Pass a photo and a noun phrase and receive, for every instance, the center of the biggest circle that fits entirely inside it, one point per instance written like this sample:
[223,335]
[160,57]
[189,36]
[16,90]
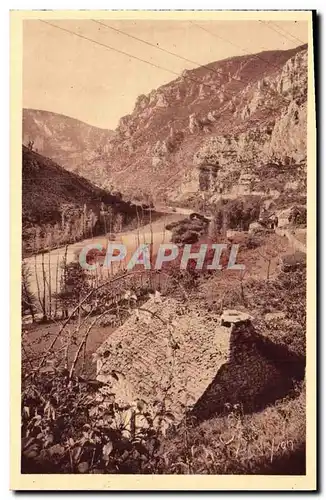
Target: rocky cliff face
[73,144]
[233,127]
[229,127]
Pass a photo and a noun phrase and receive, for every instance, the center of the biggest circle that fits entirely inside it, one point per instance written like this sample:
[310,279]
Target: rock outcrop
[239,118]
[233,119]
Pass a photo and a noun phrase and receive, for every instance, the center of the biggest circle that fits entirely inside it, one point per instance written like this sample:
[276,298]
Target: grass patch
[269,442]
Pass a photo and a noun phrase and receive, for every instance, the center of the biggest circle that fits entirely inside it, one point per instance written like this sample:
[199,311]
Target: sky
[67,74]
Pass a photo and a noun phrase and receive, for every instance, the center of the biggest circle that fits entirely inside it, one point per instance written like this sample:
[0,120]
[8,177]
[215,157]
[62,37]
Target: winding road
[52,260]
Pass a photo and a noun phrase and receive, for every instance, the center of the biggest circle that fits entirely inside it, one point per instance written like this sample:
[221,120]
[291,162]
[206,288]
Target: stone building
[164,346]
[182,354]
[208,177]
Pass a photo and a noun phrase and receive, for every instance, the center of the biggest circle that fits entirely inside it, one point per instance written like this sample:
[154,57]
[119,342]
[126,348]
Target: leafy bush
[287,294]
[76,426]
[238,213]
[252,242]
[70,425]
[186,237]
[287,199]
[188,230]
[298,216]
[172,225]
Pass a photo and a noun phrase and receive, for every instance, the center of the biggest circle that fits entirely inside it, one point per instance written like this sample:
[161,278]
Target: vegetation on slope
[268,442]
[61,207]
[74,425]
[234,103]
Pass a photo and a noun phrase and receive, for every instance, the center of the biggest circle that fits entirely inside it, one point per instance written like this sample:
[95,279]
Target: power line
[170,53]
[279,33]
[182,57]
[288,33]
[124,53]
[268,63]
[162,49]
[144,60]
[229,94]
[108,47]
[244,50]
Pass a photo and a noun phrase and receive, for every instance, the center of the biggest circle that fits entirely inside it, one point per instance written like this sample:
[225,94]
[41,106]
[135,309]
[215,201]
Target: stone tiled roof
[140,353]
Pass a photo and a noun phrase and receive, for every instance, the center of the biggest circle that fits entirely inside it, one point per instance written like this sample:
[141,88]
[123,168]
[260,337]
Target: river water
[51,260]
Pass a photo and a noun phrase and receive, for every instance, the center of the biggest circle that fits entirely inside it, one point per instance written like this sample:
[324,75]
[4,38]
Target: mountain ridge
[60,207]
[156,147]
[228,110]
[63,115]
[68,141]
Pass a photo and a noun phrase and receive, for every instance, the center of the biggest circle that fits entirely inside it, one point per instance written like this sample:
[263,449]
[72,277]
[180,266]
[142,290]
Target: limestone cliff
[217,129]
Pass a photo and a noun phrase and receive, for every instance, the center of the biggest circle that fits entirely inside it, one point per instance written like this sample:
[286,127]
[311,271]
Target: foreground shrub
[70,425]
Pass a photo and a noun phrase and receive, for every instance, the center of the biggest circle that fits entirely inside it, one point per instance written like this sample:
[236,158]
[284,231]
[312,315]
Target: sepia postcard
[163,250]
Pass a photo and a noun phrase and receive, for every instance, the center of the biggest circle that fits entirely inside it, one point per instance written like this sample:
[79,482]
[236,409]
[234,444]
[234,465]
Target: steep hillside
[217,129]
[59,207]
[69,142]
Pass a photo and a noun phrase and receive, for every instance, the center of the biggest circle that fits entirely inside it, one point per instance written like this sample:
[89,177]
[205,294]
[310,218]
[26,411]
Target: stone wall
[256,374]
[212,366]
[294,242]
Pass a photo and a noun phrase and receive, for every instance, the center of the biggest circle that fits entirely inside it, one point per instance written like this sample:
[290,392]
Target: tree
[27,298]
[73,285]
[298,216]
[117,227]
[238,213]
